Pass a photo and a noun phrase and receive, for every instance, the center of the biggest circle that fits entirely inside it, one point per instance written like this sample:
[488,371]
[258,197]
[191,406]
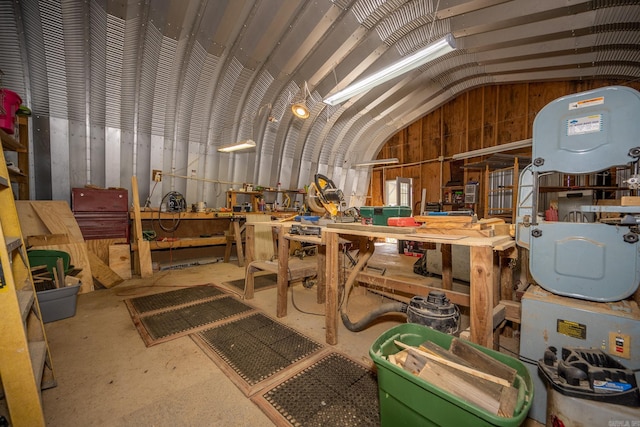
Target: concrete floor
[106,375]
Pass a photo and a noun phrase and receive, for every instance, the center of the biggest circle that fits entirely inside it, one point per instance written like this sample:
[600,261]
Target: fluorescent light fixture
[492,150]
[240,145]
[429,53]
[299,109]
[378,162]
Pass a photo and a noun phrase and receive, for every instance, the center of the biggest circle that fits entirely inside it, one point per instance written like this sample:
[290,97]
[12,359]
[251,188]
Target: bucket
[10,103]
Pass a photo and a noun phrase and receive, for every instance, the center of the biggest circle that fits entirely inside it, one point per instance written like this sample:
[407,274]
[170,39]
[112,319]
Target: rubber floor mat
[166,317]
[254,349]
[264,281]
[334,391]
[175,298]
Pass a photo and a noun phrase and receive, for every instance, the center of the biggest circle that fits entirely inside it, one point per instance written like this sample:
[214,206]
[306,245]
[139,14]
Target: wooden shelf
[583,188]
[20,146]
[9,143]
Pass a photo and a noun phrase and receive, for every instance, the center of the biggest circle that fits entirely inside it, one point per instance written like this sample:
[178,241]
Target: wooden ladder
[25,359]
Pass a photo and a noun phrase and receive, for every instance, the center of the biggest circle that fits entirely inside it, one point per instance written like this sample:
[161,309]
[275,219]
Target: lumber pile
[460,225]
[50,224]
[464,372]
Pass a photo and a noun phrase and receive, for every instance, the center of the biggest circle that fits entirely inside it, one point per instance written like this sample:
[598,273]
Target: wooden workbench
[484,280]
[196,229]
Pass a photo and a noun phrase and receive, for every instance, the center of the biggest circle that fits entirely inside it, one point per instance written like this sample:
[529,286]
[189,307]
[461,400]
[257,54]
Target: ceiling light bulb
[300,110]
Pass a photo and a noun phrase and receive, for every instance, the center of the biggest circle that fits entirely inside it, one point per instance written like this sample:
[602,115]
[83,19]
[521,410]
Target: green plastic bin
[408,400]
[381,214]
[49,257]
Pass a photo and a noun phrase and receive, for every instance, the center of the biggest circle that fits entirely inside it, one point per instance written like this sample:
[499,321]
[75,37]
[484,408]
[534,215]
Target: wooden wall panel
[540,94]
[413,147]
[394,147]
[455,126]
[490,94]
[476,115]
[431,181]
[480,118]
[512,117]
[377,188]
[431,135]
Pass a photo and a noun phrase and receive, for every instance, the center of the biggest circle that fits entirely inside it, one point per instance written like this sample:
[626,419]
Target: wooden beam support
[482,295]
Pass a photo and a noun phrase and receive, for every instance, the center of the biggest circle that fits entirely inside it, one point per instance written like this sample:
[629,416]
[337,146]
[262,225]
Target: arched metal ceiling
[122,87]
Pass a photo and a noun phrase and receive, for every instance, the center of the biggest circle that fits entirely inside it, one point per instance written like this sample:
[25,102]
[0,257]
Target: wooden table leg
[249,242]
[321,280]
[283,273]
[481,292]
[331,305]
[447,266]
[237,233]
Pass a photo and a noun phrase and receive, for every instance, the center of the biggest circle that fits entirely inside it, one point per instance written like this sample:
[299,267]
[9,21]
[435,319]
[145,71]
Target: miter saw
[325,198]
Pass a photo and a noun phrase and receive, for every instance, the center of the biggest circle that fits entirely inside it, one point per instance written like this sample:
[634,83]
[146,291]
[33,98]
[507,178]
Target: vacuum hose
[391,307]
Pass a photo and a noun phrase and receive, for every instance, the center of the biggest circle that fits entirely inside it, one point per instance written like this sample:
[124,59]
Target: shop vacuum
[434,311]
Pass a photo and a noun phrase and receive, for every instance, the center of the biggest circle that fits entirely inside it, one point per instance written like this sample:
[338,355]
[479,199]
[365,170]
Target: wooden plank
[102,273]
[47,239]
[472,371]
[447,266]
[630,201]
[100,247]
[414,362]
[512,310]
[454,383]
[263,238]
[283,272]
[498,315]
[30,222]
[482,361]
[444,219]
[331,305]
[120,260]
[456,231]
[481,290]
[372,228]
[399,285]
[79,259]
[58,218]
[143,254]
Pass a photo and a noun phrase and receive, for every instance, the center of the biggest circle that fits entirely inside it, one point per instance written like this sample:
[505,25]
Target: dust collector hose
[364,255]
[391,307]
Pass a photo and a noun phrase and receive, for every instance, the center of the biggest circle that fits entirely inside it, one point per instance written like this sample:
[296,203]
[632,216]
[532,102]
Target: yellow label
[572,329]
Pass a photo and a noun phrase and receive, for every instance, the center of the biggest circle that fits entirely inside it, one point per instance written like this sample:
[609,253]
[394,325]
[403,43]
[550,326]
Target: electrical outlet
[156,175]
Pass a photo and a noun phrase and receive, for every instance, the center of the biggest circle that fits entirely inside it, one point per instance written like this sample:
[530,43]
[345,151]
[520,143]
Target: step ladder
[25,360]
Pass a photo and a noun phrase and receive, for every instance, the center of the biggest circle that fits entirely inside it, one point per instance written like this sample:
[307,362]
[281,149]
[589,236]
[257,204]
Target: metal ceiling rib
[98,98]
[54,58]
[13,77]
[191,75]
[408,17]
[155,82]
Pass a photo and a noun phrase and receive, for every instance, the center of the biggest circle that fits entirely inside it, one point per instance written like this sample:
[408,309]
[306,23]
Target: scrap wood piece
[102,273]
[58,218]
[443,219]
[142,256]
[472,371]
[469,232]
[482,361]
[80,260]
[494,398]
[120,260]
[435,349]
[47,239]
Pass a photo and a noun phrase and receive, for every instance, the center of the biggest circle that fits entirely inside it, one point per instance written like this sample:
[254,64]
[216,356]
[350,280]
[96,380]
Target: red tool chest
[101,213]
